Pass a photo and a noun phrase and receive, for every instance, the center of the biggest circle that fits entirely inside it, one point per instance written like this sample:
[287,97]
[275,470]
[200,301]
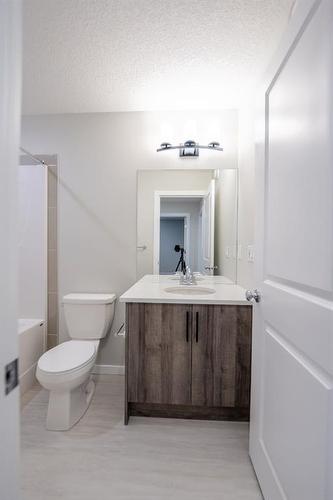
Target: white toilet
[65,370]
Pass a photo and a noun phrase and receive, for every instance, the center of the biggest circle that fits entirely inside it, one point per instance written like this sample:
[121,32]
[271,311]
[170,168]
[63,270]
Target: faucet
[187,278]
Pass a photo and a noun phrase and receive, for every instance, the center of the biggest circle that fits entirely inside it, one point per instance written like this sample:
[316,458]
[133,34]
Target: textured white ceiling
[128,55]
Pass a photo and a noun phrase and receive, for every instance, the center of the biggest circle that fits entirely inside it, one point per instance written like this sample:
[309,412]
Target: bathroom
[201,384]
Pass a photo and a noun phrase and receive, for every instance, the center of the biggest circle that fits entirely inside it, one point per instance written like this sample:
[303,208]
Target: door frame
[10,111]
[157,215]
[208,252]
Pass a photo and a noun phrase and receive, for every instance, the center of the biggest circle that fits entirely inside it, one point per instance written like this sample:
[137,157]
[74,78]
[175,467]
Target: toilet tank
[88,315]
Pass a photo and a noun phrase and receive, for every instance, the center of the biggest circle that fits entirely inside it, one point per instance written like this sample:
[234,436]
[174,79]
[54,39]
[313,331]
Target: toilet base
[67,407]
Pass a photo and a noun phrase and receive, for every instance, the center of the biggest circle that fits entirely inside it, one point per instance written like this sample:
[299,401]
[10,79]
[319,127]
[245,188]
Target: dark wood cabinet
[189,361]
[221,356]
[159,353]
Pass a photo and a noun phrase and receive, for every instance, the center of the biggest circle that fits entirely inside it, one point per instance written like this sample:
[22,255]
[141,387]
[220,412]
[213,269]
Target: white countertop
[151,288]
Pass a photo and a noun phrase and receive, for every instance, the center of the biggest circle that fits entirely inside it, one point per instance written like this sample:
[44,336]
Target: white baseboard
[109,369]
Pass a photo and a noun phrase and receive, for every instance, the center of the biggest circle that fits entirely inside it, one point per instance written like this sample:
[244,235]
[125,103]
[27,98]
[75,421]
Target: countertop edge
[152,289]
[185,301]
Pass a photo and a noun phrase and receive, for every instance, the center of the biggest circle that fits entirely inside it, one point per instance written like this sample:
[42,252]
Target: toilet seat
[67,357]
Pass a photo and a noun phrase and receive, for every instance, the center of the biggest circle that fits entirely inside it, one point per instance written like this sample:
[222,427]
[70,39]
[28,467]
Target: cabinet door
[221,356]
[159,353]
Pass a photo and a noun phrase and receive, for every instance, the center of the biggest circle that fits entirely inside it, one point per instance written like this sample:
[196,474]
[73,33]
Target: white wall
[99,155]
[226,206]
[246,209]
[174,206]
[32,214]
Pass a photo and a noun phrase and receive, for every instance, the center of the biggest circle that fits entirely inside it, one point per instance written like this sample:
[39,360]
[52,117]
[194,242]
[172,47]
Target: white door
[207,229]
[10,64]
[291,436]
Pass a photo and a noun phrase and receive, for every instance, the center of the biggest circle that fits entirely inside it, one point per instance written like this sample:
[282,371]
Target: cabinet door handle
[187,326]
[197,326]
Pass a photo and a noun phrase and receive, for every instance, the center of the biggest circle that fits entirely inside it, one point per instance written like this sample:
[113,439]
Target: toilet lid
[67,356]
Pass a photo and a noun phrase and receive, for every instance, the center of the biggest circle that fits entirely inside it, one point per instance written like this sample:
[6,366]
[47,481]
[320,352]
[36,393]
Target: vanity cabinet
[159,353]
[188,361]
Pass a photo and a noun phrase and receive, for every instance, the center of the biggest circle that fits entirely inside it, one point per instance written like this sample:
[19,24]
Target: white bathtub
[31,347]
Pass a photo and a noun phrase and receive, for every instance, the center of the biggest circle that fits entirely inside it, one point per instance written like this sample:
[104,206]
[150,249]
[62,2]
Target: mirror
[187,217]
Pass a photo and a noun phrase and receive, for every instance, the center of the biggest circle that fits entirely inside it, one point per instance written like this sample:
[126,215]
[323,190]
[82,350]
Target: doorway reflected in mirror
[187,218]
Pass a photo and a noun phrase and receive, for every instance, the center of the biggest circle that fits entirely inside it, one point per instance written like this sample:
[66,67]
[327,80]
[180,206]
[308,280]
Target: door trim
[10,111]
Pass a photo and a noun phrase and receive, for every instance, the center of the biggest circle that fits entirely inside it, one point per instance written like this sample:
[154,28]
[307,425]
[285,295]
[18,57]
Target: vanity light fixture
[189,148]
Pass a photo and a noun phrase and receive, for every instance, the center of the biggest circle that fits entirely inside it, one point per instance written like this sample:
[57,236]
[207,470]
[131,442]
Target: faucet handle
[188,271]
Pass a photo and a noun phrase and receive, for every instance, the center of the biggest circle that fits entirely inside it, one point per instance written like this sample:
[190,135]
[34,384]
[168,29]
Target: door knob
[253,295]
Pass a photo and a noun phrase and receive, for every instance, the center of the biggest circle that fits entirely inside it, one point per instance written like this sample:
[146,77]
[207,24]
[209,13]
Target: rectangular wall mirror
[187,216]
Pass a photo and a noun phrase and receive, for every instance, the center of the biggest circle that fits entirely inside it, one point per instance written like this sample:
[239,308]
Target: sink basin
[189,290]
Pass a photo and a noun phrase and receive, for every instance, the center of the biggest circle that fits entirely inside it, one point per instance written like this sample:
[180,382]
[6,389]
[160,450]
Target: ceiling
[130,55]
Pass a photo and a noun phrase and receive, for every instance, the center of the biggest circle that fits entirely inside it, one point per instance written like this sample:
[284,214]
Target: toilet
[66,369]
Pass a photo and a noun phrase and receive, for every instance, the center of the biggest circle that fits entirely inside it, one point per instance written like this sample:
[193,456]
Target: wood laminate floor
[150,459]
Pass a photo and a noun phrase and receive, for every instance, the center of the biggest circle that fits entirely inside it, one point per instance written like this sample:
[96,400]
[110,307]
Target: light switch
[250,253]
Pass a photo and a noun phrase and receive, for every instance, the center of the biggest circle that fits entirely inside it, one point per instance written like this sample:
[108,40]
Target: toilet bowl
[66,369]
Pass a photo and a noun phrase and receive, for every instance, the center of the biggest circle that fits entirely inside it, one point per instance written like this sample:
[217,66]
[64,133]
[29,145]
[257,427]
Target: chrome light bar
[189,148]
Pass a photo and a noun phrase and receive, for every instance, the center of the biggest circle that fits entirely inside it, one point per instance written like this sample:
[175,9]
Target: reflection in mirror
[187,218]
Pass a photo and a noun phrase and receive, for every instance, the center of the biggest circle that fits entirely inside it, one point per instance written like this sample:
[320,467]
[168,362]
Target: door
[159,353]
[221,356]
[10,89]
[207,229]
[291,435]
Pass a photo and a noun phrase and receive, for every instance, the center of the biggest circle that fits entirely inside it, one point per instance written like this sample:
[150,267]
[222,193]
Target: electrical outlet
[250,253]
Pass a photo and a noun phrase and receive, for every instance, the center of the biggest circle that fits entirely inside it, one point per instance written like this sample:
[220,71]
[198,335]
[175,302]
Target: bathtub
[31,347]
